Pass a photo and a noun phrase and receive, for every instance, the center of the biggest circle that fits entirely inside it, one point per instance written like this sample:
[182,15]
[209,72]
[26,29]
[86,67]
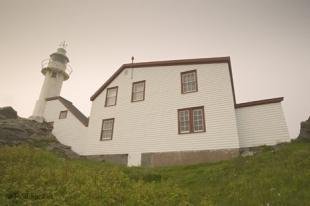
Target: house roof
[259,102]
[187,62]
[167,63]
[79,115]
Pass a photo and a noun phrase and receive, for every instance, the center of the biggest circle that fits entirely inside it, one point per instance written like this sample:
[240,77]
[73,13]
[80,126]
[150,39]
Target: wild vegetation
[276,176]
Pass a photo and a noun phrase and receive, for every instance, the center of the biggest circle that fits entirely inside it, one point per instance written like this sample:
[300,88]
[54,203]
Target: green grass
[276,176]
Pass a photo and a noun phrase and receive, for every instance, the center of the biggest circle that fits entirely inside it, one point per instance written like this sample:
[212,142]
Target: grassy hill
[275,176]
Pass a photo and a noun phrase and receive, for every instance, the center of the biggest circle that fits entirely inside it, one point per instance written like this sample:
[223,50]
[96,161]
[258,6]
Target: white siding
[261,125]
[151,125]
[69,131]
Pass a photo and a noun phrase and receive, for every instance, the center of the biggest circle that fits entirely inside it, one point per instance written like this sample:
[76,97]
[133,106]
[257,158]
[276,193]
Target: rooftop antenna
[132,58]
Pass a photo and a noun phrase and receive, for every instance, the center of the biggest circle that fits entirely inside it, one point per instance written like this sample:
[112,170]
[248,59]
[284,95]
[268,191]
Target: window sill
[110,105]
[192,132]
[138,100]
[189,92]
[103,140]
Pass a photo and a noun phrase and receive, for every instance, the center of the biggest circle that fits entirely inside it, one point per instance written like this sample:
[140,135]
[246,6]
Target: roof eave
[259,102]
[75,111]
[213,60]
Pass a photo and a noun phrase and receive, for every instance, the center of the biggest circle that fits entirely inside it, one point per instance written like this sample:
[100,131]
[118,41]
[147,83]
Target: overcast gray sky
[268,42]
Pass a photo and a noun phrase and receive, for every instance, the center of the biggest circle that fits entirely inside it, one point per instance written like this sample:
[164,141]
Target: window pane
[184,121]
[112,92]
[107,129]
[189,83]
[111,101]
[107,134]
[139,87]
[198,120]
[107,125]
[138,96]
[189,77]
[138,91]
[111,96]
[63,115]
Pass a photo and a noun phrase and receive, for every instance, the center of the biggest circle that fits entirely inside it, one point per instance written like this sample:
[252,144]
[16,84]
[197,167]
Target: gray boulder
[7,113]
[305,130]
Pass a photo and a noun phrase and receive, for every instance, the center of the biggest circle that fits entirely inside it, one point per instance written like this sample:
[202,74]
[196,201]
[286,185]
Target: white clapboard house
[160,113]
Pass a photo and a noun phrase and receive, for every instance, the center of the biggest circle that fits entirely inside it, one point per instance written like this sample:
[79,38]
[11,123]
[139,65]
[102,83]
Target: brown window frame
[61,112]
[186,72]
[106,96]
[143,91]
[101,132]
[191,121]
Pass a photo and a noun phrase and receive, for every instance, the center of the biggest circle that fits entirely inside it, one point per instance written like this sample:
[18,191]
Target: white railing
[46,62]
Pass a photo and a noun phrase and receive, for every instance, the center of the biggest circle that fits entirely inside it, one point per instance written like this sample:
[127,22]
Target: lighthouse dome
[60,56]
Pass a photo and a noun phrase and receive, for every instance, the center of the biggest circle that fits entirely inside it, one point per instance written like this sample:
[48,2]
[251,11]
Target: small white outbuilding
[161,113]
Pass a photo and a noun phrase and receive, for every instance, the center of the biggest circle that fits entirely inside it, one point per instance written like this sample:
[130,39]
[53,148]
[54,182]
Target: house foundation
[119,159]
[186,157]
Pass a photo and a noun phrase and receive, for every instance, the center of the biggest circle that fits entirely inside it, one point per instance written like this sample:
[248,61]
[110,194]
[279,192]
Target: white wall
[261,125]
[51,88]
[152,126]
[69,131]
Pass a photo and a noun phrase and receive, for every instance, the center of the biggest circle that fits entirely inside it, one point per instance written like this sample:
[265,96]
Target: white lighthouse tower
[56,70]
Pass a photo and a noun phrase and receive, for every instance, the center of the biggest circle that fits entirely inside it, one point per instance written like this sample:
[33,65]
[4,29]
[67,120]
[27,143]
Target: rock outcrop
[305,130]
[7,113]
[16,131]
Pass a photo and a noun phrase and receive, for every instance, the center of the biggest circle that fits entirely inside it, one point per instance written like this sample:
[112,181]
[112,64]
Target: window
[138,91]
[189,81]
[198,120]
[107,129]
[184,123]
[191,120]
[111,96]
[63,114]
[54,74]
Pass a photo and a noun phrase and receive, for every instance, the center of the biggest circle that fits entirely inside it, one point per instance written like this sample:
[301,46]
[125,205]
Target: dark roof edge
[56,98]
[166,63]
[259,102]
[77,113]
